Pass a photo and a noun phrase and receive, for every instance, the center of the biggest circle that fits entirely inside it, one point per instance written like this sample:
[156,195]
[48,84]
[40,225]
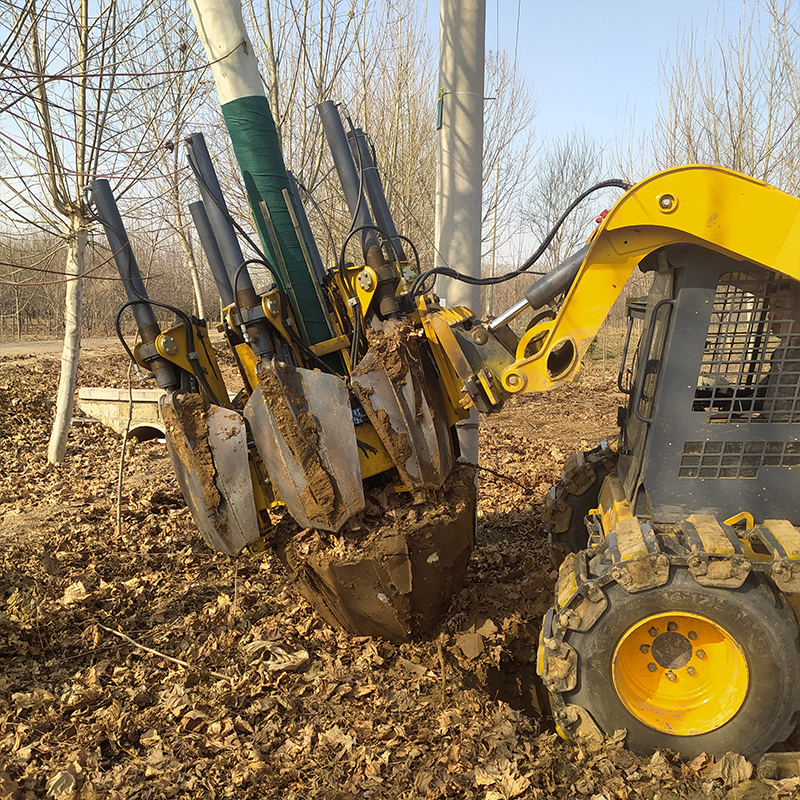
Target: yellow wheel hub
[680,673]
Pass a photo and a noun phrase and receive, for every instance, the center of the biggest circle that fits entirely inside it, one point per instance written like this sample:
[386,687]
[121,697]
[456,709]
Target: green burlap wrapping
[258,151]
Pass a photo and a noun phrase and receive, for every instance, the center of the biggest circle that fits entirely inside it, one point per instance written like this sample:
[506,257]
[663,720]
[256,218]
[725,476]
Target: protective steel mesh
[749,373]
[750,370]
[736,459]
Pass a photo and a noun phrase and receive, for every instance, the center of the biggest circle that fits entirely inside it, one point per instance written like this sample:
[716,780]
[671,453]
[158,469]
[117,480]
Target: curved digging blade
[397,388]
[302,425]
[208,448]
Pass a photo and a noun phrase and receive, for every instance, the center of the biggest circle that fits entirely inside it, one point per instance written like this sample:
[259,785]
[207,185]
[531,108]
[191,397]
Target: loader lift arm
[713,207]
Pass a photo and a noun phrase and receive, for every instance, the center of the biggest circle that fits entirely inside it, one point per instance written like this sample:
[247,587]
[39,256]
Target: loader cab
[712,423]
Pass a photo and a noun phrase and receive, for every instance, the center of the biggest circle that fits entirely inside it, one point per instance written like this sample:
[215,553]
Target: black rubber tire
[576,506]
[756,615]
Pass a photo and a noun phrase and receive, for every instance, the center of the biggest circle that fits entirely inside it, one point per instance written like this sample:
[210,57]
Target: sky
[594,64]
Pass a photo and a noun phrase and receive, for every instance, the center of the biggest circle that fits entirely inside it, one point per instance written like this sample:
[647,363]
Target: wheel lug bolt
[671,676]
[701,653]
[672,626]
[652,667]
[653,632]
[691,670]
[644,648]
[692,635]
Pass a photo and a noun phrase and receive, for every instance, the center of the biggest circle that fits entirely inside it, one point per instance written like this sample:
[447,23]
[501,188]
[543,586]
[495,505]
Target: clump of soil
[394,384]
[393,347]
[393,576]
[187,432]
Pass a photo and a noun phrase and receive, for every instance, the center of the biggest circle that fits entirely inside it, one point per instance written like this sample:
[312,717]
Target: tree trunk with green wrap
[257,147]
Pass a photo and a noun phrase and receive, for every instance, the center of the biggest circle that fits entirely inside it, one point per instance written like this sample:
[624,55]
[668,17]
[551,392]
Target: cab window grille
[750,369]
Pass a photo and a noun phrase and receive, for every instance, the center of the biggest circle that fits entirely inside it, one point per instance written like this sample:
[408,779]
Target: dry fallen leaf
[9,789]
[413,667]
[335,736]
[702,764]
[731,769]
[471,644]
[194,721]
[32,699]
[74,593]
[60,784]
[504,778]
[280,658]
[355,717]
[785,786]
[150,738]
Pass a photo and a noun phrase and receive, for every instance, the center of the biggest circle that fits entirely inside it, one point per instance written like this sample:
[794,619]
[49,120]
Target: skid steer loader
[674,614]
[676,622]
[680,559]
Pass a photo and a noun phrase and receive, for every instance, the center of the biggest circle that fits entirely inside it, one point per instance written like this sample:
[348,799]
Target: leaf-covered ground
[273,702]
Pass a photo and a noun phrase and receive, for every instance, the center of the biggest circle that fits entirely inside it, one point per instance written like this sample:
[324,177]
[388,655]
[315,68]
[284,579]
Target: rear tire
[733,656]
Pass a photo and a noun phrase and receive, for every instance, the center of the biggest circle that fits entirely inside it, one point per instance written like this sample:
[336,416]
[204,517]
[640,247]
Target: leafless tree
[381,66]
[509,148]
[65,92]
[733,99]
[565,167]
[183,107]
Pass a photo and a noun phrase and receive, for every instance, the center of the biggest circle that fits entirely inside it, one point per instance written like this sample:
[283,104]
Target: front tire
[691,668]
[568,502]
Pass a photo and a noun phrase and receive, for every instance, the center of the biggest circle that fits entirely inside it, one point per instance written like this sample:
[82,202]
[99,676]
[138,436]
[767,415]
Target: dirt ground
[273,702]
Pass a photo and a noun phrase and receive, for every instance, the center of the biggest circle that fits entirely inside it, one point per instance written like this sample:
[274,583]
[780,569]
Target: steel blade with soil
[208,447]
[302,425]
[397,385]
[395,575]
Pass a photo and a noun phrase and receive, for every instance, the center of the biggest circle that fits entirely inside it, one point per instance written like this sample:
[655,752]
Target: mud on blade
[208,447]
[302,425]
[398,573]
[396,383]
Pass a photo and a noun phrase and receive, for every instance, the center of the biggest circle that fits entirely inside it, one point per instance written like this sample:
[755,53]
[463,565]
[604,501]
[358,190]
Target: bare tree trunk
[18,314]
[191,263]
[76,246]
[188,253]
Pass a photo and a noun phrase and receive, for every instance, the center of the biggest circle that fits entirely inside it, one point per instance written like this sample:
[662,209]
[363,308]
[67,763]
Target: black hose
[418,287]
[413,250]
[118,327]
[242,267]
